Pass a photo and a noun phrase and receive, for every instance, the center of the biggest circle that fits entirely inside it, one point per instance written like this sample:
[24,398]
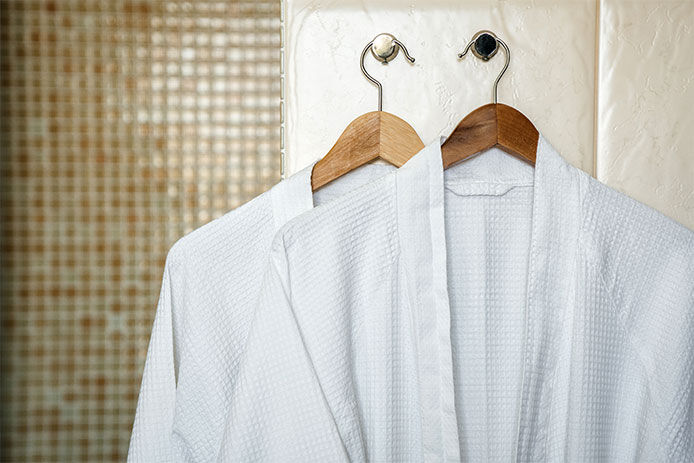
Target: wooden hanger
[374,135]
[493,124]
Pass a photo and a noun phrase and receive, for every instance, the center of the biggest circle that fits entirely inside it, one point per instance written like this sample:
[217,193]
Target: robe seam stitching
[580,246]
[468,193]
[173,343]
[443,352]
[288,293]
[587,240]
[528,331]
[590,260]
[178,439]
[463,182]
[555,376]
[415,317]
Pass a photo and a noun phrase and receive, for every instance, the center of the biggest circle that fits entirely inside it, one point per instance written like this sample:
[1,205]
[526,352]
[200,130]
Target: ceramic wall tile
[645,136]
[609,82]
[551,76]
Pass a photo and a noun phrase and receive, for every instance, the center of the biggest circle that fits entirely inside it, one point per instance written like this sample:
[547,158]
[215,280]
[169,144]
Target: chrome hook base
[484,45]
[384,47]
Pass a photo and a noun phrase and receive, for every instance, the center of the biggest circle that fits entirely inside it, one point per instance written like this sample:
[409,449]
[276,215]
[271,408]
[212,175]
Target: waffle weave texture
[212,279]
[493,312]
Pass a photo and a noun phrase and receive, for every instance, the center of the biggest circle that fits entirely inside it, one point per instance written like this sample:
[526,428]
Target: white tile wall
[609,82]
[645,143]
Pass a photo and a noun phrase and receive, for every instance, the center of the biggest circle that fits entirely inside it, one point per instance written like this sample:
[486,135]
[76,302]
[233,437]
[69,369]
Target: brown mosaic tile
[124,125]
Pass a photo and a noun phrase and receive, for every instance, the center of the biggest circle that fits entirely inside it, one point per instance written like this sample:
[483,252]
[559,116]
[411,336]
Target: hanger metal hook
[486,44]
[384,47]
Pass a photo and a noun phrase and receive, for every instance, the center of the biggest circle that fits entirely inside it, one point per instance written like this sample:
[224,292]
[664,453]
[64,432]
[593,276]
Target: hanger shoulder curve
[516,134]
[474,133]
[494,124]
[373,135]
[399,141]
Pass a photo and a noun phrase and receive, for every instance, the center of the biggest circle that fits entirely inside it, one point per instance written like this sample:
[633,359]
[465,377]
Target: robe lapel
[551,293]
[420,202]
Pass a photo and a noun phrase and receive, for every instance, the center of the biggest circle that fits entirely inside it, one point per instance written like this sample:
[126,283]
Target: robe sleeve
[659,313]
[279,411]
[151,436]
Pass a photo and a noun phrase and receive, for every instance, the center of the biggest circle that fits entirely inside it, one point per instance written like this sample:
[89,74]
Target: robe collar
[292,196]
[549,293]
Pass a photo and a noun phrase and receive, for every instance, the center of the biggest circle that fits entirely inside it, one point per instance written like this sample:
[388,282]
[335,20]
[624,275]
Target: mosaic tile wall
[125,124]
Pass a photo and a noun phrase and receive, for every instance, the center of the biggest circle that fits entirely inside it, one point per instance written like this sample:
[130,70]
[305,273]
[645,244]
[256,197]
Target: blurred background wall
[125,124]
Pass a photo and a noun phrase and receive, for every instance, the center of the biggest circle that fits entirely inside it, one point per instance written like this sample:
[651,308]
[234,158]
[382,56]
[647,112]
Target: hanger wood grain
[371,136]
[494,124]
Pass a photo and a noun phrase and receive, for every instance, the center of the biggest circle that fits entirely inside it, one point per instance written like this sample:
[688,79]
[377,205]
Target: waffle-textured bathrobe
[489,312]
[211,282]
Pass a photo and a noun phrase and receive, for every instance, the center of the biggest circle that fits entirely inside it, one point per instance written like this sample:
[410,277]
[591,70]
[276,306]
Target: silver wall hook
[384,47]
[486,44]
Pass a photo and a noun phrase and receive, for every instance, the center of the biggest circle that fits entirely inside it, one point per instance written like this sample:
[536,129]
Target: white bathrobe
[211,282]
[489,312]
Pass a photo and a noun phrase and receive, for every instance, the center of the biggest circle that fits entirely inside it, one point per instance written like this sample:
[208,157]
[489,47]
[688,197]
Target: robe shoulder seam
[619,315]
[282,268]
